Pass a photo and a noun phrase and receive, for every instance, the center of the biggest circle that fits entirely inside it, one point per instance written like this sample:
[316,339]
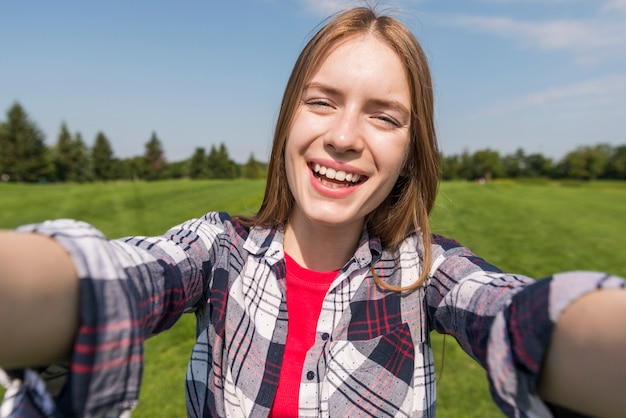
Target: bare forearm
[585,366]
[38,300]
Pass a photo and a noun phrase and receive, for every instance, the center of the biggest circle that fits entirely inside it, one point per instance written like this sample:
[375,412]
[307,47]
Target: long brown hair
[407,207]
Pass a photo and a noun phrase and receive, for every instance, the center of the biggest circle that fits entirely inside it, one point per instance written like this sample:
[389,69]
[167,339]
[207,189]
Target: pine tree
[23,154]
[102,158]
[62,155]
[81,171]
[155,158]
[198,164]
[220,165]
[212,163]
[252,169]
[229,169]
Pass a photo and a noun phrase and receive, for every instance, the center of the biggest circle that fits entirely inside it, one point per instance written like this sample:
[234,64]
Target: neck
[320,247]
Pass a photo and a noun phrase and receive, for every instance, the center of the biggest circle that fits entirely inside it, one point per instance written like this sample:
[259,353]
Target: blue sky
[543,75]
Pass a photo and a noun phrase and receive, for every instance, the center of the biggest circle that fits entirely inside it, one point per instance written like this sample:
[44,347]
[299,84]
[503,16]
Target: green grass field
[530,228]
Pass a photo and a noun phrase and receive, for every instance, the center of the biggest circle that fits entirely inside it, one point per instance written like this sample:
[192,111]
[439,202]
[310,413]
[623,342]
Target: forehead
[341,49]
[363,59]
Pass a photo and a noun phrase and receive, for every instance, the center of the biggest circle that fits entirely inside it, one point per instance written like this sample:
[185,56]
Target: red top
[305,293]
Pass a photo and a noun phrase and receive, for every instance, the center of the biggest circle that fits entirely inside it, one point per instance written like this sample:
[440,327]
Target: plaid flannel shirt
[371,356]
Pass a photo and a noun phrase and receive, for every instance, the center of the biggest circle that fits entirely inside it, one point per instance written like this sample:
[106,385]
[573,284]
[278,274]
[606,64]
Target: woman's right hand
[39,291]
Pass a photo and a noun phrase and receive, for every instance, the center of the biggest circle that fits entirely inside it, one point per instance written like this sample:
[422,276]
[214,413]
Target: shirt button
[310,375]
[325,336]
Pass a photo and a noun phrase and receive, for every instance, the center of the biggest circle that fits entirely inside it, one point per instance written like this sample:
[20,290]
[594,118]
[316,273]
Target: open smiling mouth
[336,178]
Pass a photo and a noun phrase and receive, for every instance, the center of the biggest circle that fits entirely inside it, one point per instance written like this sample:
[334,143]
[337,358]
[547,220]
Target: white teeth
[333,174]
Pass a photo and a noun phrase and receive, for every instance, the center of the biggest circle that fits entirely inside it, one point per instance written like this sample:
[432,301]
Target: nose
[345,133]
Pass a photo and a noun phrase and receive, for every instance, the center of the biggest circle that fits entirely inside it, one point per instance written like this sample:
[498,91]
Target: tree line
[595,162]
[24,157]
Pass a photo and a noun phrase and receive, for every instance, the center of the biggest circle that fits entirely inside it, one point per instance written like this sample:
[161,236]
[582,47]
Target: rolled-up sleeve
[130,289]
[503,321]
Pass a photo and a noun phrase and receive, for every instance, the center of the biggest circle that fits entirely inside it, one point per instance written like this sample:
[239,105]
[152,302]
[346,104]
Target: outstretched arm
[560,339]
[585,365]
[38,300]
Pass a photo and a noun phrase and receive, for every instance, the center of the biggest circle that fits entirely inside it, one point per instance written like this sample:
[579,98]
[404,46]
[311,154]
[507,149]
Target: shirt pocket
[369,377]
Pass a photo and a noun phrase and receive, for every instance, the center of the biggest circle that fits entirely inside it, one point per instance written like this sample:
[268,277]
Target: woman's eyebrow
[322,87]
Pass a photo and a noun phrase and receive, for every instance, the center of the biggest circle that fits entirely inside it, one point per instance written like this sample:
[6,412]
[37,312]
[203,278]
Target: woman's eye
[389,120]
[317,102]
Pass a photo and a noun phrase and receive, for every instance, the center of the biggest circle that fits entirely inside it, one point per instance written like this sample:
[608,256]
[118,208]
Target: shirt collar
[369,249]
[269,241]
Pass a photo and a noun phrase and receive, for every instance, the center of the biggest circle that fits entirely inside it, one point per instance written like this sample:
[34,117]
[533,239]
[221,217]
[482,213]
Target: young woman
[322,303]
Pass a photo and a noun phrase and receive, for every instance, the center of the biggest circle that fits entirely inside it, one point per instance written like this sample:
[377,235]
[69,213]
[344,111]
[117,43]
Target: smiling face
[350,135]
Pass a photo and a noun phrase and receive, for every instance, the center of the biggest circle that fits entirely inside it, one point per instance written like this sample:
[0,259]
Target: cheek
[293,143]
[397,158]
[396,167]
[298,127]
